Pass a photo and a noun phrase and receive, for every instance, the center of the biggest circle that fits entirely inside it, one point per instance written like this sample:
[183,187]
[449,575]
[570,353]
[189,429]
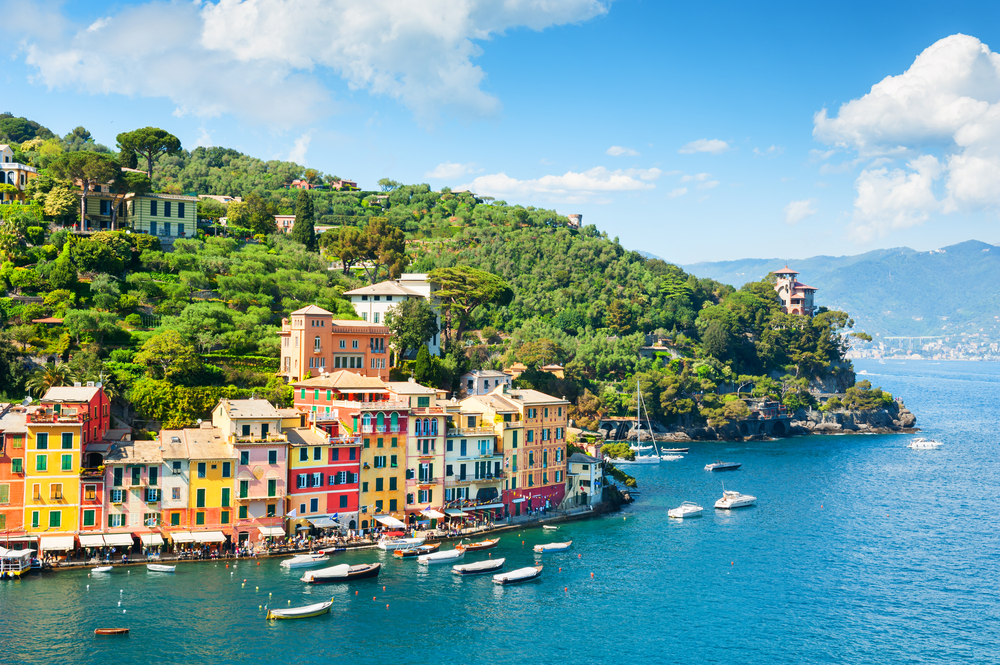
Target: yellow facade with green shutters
[52,478]
[211,492]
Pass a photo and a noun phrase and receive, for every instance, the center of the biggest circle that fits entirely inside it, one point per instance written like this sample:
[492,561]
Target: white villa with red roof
[796,297]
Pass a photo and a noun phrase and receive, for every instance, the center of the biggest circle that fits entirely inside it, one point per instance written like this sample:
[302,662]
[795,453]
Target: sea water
[859,550]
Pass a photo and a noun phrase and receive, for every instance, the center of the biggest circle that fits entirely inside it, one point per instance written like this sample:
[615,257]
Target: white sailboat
[637,447]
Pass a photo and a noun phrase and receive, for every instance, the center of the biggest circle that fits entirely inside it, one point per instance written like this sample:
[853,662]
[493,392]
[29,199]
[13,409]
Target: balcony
[471,431]
[93,472]
[517,424]
[428,481]
[380,405]
[56,418]
[383,429]
[256,438]
[262,495]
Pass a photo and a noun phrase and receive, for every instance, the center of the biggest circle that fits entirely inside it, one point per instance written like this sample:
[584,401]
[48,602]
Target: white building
[483,381]
[176,479]
[372,302]
[584,480]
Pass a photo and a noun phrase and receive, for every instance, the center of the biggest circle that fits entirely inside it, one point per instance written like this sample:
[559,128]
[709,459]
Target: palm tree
[50,374]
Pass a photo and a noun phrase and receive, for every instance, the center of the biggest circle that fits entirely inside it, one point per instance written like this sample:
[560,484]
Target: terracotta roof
[196,443]
[70,393]
[800,285]
[14,422]
[493,401]
[312,309]
[526,396]
[786,269]
[48,319]
[249,408]
[410,388]
[135,452]
[342,380]
[173,449]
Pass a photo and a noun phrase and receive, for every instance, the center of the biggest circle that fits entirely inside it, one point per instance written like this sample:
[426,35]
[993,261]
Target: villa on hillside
[14,174]
[796,297]
[372,302]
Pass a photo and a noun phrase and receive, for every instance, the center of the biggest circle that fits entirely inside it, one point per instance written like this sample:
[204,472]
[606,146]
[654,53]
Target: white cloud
[570,187]
[708,185]
[680,191]
[204,139]
[698,177]
[617,151]
[943,115]
[248,56]
[711,146]
[796,211]
[298,152]
[773,151]
[448,170]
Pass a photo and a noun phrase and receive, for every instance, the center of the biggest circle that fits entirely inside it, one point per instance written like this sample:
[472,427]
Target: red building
[323,476]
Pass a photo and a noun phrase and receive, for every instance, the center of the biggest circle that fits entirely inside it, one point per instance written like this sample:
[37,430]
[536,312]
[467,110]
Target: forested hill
[893,291]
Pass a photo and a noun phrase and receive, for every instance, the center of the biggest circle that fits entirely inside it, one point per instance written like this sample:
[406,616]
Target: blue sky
[687,130]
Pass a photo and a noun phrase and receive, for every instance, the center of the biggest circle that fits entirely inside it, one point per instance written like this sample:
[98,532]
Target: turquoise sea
[859,551]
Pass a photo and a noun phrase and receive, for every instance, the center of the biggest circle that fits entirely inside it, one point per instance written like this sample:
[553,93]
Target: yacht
[723,466]
[639,459]
[921,443]
[686,509]
[731,499]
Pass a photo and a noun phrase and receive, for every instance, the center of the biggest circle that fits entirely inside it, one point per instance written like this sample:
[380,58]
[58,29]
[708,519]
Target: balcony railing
[262,496]
[382,429]
[56,418]
[471,431]
[256,438]
[428,481]
[94,472]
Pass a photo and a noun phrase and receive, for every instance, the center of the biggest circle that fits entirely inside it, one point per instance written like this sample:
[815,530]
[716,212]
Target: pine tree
[304,230]
[64,275]
[422,369]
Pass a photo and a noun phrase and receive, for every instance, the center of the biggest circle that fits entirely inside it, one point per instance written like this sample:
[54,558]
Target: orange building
[313,342]
[796,297]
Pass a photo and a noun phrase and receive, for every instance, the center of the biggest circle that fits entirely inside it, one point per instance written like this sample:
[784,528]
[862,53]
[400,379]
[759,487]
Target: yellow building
[383,461]
[211,498]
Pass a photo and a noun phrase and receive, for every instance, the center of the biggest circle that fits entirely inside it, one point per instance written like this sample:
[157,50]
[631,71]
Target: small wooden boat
[303,561]
[674,450]
[102,569]
[303,612]
[549,527]
[482,545]
[417,551]
[518,576]
[479,568]
[159,568]
[442,557]
[111,631]
[553,547]
[342,573]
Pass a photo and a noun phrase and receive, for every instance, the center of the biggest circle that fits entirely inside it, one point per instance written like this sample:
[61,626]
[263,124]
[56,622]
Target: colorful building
[254,428]
[425,447]
[133,476]
[313,342]
[585,480]
[373,302]
[176,481]
[13,173]
[212,471]
[473,477]
[168,216]
[323,478]
[13,432]
[796,297]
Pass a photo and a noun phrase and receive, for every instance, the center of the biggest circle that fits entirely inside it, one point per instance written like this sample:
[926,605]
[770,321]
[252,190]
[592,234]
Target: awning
[492,506]
[431,513]
[389,520]
[454,513]
[118,539]
[15,554]
[518,500]
[151,539]
[181,537]
[92,541]
[271,531]
[49,543]
[208,537]
[324,522]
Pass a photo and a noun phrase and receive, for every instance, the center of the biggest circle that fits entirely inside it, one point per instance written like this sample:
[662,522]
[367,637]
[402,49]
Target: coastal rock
[828,427]
[906,419]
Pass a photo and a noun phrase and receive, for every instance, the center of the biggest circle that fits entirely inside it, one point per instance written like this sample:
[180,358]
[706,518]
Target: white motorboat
[160,568]
[303,612]
[553,547]
[443,556]
[723,466]
[393,544]
[549,527]
[640,449]
[731,499]
[519,575]
[102,569]
[686,509]
[479,567]
[639,459]
[303,561]
[342,573]
[671,458]
[921,443]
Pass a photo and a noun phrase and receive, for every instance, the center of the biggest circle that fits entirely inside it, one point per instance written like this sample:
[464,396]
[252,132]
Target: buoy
[244,581]
[579,556]
[88,586]
[227,566]
[258,563]
[560,569]
[88,575]
[270,594]
[256,588]
[355,593]
[490,554]
[128,572]
[260,607]
[373,597]
[591,576]
[121,591]
[383,588]
[243,586]
[732,563]
[119,603]
[387,606]
[124,611]
[289,602]
[565,588]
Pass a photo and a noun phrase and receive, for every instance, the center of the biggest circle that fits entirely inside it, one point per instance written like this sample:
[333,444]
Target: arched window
[434,426]
[366,422]
[380,421]
[419,427]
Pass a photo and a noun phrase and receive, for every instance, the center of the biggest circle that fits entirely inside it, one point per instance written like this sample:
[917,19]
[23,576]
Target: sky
[692,131]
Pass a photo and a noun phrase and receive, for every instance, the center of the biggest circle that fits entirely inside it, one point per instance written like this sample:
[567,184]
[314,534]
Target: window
[67,440]
[303,454]
[199,518]
[41,441]
[201,469]
[180,209]
[531,480]
[379,485]
[16,465]
[367,443]
[176,467]
[272,457]
[67,463]
[115,521]
[151,519]
[175,519]
[117,496]
[225,496]
[224,517]
[317,454]
[227,469]
[244,457]
[313,505]
[343,501]
[379,461]
[89,493]
[379,443]
[4,494]
[152,495]
[166,208]
[272,487]
[353,454]
[545,478]
[136,475]
[354,343]
[34,519]
[175,493]
[409,498]
[392,461]
[423,402]
[154,475]
[392,483]
[364,487]
[200,498]
[317,480]
[447,470]
[89,517]
[463,448]
[41,463]
[271,509]
[152,210]
[300,480]
[55,519]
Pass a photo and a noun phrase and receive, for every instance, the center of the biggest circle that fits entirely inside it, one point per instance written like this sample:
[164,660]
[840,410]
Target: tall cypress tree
[304,229]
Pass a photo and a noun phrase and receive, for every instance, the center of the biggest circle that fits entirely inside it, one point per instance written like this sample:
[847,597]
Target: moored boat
[553,547]
[479,567]
[342,573]
[639,459]
[549,527]
[686,509]
[519,575]
[392,544]
[111,631]
[482,545]
[417,551]
[921,443]
[159,568]
[732,499]
[102,569]
[723,466]
[303,612]
[303,561]
[442,557]
[674,450]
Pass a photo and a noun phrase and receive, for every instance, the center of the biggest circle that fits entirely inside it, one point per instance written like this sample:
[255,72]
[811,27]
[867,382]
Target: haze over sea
[859,550]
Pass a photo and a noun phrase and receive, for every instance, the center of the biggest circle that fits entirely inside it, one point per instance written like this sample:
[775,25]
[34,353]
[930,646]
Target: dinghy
[111,631]
[549,527]
[102,569]
[519,575]
[553,547]
[159,568]
[342,573]
[417,551]
[482,545]
[442,557]
[480,567]
[303,612]
[303,561]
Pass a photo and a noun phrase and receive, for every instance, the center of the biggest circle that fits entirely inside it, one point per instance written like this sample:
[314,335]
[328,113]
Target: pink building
[796,297]
[133,476]
[285,222]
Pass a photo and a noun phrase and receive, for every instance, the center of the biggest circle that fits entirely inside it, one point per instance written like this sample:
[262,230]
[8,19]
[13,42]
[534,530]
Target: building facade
[13,433]
[168,216]
[425,446]
[372,302]
[483,381]
[212,464]
[313,342]
[133,476]
[13,173]
[796,297]
[585,480]
[473,477]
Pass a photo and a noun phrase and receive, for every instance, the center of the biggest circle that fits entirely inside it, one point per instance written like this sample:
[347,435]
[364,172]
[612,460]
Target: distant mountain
[893,291]
[648,255]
